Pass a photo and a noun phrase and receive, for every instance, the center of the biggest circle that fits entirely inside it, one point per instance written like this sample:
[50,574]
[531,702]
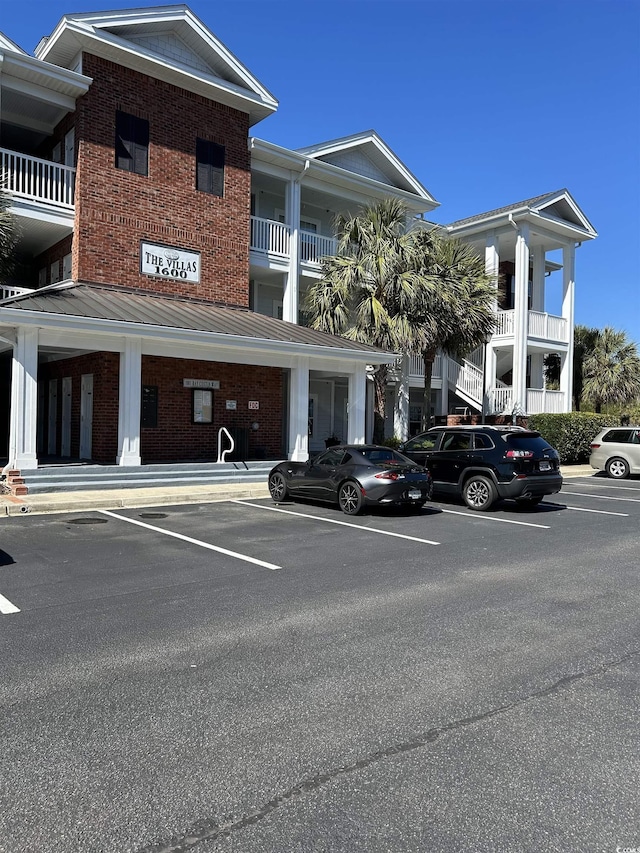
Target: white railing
[416,366]
[548,327]
[37,180]
[7,291]
[501,399]
[314,247]
[466,378]
[504,323]
[541,400]
[270,237]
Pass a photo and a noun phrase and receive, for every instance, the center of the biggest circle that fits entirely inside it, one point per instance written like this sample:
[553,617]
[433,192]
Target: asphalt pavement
[160,496]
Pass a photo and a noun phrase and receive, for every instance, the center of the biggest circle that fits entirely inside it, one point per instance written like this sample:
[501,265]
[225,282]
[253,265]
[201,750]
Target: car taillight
[595,446]
[387,475]
[519,454]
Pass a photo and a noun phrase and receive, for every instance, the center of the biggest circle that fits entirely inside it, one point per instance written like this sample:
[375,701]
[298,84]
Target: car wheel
[278,487]
[617,468]
[350,498]
[479,493]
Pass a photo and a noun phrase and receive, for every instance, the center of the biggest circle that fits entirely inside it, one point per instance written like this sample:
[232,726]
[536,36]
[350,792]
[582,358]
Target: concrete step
[57,478]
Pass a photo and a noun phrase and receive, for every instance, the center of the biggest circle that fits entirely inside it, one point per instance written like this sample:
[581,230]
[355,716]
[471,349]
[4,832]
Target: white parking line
[583,509]
[603,484]
[602,497]
[235,554]
[335,521]
[7,607]
[481,517]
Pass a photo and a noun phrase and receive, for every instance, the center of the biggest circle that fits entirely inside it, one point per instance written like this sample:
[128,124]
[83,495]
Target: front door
[53,417]
[65,436]
[86,415]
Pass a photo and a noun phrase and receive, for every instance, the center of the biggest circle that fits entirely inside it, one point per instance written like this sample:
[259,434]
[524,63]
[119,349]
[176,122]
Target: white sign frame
[169,262]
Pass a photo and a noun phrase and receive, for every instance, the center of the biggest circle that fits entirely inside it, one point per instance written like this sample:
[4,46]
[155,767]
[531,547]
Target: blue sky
[488,102]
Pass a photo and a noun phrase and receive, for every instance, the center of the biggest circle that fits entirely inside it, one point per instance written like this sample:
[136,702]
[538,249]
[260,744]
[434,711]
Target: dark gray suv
[485,463]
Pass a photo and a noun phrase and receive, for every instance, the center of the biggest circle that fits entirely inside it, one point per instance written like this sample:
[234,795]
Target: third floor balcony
[544,327]
[272,240]
[40,182]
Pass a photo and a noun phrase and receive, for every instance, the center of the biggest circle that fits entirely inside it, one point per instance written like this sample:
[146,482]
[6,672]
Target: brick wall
[116,209]
[176,437]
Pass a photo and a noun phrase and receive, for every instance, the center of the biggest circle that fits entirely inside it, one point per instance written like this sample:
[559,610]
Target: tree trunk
[380,403]
[428,357]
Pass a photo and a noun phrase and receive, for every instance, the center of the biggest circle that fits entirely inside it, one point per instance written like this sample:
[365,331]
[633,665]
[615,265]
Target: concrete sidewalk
[83,501]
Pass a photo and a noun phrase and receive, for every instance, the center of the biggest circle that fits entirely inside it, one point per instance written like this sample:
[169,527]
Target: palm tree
[8,235]
[584,342]
[611,369]
[458,308]
[401,289]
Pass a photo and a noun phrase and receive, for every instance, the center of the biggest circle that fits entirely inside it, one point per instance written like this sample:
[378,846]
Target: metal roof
[132,306]
[530,202]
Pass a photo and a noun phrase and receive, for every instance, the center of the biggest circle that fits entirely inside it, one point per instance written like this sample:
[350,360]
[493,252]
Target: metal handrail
[222,453]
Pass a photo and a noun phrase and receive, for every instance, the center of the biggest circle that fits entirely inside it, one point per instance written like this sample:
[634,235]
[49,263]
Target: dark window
[149,406]
[132,143]
[209,167]
[422,442]
[620,435]
[483,442]
[456,441]
[331,458]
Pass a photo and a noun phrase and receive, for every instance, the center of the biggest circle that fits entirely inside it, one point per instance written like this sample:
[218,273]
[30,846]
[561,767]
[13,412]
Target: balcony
[35,180]
[538,400]
[546,327]
[7,291]
[273,239]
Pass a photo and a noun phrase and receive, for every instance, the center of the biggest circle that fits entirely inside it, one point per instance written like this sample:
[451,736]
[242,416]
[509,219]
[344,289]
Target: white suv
[616,450]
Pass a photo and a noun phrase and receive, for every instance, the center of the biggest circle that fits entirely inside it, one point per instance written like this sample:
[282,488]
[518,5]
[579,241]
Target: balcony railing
[416,367]
[467,378]
[7,291]
[37,180]
[270,237]
[538,400]
[547,327]
[274,238]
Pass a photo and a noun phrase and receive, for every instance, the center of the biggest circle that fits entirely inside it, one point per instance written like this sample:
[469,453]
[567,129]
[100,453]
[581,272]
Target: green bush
[572,433]
[392,441]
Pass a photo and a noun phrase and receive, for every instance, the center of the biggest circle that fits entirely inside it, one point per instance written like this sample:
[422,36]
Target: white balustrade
[37,180]
[467,378]
[270,237]
[504,323]
[547,327]
[501,399]
[540,400]
[315,247]
[7,291]
[416,366]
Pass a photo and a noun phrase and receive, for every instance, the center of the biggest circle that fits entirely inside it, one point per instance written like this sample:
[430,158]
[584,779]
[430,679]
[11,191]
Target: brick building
[165,251]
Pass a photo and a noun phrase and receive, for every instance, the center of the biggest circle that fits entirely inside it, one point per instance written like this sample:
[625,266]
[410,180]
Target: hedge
[572,433]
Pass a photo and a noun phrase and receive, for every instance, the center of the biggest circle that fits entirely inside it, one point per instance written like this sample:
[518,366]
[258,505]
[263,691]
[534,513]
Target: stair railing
[222,454]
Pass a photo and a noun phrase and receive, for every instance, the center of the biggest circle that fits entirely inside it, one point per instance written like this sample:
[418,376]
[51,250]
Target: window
[456,441]
[209,167]
[132,143]
[482,441]
[202,406]
[54,272]
[422,442]
[623,436]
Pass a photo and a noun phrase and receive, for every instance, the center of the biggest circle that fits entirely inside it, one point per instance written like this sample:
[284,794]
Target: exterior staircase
[80,477]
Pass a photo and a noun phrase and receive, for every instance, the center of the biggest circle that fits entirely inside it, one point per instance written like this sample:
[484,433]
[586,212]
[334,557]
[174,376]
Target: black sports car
[353,475]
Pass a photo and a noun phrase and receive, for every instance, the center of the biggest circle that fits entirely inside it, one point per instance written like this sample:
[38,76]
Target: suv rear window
[535,443]
[624,436]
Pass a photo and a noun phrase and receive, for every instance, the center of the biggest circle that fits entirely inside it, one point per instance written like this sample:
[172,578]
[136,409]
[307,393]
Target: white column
[444,391]
[401,401]
[357,405]
[24,400]
[492,268]
[520,318]
[568,296]
[299,411]
[129,403]
[537,292]
[292,217]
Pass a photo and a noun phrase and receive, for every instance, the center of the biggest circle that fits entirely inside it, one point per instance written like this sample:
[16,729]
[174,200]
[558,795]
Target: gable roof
[235,326]
[367,154]
[166,42]
[558,206]
[7,44]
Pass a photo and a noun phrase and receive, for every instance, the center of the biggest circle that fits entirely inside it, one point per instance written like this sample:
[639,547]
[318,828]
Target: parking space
[128,552]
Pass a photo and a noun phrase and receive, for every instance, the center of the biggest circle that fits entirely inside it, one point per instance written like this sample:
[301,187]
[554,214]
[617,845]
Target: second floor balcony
[273,240]
[546,327]
[40,182]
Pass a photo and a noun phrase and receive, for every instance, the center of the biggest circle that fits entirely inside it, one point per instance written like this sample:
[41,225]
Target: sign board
[169,262]
[254,404]
[231,404]
[201,383]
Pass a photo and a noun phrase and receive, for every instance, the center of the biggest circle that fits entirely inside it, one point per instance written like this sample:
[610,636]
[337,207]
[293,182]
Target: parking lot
[290,678]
